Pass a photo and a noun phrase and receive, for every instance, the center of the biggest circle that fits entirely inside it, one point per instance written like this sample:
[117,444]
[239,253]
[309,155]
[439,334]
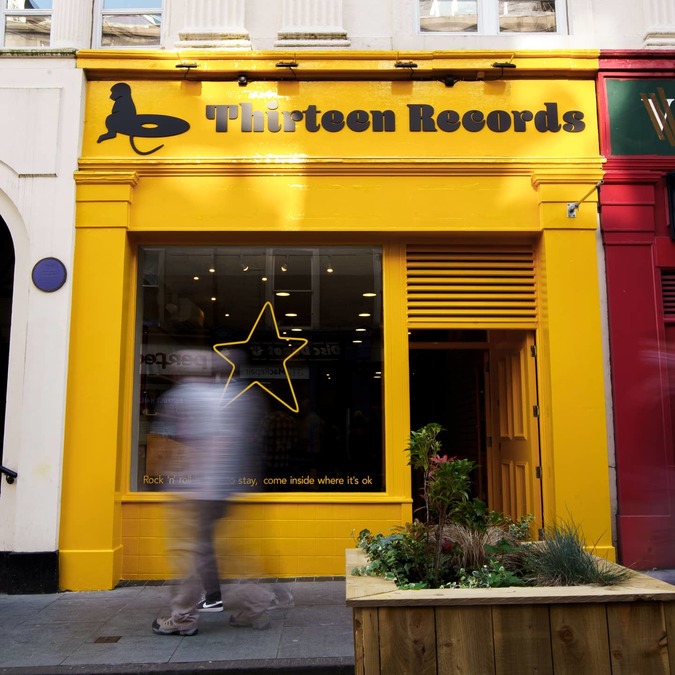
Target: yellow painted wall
[576,452]
[347,187]
[260,540]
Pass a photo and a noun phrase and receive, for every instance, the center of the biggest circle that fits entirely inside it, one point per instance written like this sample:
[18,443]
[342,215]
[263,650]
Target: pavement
[110,632]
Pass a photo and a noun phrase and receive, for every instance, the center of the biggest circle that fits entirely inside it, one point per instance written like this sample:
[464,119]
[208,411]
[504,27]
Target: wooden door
[515,483]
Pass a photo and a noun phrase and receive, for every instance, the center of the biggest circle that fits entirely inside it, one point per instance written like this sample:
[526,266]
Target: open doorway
[480,386]
[6,293]
[447,386]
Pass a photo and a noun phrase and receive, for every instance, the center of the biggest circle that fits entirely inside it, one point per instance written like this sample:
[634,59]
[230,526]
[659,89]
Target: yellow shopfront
[387,250]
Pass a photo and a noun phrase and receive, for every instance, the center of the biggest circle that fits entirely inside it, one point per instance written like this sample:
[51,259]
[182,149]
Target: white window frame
[100,11]
[488,21]
[6,12]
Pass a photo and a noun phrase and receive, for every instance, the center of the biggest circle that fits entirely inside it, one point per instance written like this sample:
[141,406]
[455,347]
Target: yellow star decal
[303,342]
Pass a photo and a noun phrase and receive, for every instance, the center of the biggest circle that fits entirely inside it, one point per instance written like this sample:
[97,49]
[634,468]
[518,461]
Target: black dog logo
[124,120]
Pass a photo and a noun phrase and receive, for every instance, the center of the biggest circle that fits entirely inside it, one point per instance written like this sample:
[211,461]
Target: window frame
[100,11]
[7,12]
[488,21]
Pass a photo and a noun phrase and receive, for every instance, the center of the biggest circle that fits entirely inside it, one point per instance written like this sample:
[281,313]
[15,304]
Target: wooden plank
[366,642]
[407,641]
[464,640]
[358,586]
[579,639]
[637,639]
[502,596]
[669,618]
[377,592]
[522,640]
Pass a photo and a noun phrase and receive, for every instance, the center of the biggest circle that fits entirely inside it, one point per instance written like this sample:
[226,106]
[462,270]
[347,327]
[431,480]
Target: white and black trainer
[205,605]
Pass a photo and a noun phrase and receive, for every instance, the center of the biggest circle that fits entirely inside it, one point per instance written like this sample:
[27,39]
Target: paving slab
[109,632]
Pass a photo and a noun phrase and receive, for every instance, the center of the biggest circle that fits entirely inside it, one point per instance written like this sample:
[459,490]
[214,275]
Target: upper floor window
[26,23]
[491,17]
[129,23]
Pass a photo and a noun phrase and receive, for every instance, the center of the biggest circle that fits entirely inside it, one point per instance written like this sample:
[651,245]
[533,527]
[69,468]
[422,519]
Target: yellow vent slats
[456,285]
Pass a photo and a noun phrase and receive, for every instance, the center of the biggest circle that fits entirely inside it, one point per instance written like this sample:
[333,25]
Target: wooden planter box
[576,630]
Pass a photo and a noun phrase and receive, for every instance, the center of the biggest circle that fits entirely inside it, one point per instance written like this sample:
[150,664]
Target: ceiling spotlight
[284,266]
[242,264]
[242,80]
[369,295]
[450,81]
[213,299]
[212,269]
[330,269]
[196,278]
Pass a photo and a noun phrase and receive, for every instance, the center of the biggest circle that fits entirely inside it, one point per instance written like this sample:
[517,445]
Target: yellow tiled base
[260,540]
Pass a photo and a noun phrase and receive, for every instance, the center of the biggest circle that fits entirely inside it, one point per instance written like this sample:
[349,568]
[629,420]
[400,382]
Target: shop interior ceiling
[331,288]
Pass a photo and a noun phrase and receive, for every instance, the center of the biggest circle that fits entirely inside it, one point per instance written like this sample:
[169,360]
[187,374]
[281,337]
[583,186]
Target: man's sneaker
[170,627]
[205,605]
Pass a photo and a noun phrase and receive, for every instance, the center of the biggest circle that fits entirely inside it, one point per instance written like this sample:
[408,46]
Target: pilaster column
[71,24]
[312,23]
[660,23]
[214,23]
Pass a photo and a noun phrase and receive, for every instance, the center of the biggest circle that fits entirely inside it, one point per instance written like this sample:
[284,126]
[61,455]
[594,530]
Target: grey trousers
[191,547]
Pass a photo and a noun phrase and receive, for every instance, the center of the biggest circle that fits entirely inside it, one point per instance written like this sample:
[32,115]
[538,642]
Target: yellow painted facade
[389,188]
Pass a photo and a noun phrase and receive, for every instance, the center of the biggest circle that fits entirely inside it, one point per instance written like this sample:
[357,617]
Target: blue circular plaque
[49,274]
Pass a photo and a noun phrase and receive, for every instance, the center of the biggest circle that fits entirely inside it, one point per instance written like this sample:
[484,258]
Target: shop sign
[421,117]
[165,360]
[273,372]
[226,120]
[641,116]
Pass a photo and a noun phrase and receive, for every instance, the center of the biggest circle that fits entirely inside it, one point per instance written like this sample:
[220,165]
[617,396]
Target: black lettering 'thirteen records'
[422,117]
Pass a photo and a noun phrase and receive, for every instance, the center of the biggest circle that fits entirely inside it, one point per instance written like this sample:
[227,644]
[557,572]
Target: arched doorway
[6,293]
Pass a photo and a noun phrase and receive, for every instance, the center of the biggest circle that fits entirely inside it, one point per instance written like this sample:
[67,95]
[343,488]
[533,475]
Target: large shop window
[491,17]
[297,330]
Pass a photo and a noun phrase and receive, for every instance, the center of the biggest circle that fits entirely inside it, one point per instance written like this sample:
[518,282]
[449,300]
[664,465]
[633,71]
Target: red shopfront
[636,92]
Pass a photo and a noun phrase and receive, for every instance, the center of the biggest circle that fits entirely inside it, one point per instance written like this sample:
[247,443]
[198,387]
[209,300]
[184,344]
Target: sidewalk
[109,632]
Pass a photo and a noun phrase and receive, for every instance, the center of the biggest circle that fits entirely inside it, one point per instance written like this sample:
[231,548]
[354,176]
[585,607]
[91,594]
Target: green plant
[446,482]
[561,560]
[402,556]
[490,575]
[461,543]
[475,547]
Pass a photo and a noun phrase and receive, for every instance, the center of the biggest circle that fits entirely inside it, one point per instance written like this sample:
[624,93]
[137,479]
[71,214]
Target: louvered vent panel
[455,285]
[668,293]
